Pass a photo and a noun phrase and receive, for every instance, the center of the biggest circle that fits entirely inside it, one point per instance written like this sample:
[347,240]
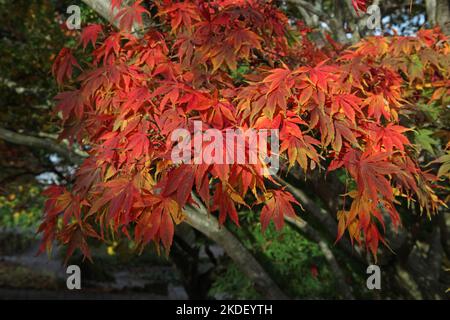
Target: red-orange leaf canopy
[229,65]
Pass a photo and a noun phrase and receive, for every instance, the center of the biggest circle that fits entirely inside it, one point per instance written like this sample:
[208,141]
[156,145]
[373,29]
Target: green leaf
[424,139]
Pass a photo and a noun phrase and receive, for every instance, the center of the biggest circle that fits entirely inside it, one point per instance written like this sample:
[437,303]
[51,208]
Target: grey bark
[207,224]
[443,15]
[103,8]
[40,143]
[431,11]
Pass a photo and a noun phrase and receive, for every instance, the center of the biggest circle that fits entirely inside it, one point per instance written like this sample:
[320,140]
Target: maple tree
[336,107]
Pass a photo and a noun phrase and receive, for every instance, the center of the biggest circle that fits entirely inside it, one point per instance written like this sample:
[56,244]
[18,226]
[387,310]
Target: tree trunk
[443,15]
[438,14]
[210,227]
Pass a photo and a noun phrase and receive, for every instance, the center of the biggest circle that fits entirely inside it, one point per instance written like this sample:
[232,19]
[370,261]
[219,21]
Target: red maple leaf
[130,15]
[63,65]
[70,103]
[90,34]
[359,5]
[278,205]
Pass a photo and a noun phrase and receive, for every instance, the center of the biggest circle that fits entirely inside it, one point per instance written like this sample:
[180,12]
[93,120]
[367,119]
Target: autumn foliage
[236,64]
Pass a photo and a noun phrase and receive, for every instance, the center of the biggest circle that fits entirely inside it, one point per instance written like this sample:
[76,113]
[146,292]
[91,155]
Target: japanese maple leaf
[74,238]
[179,184]
[157,221]
[305,95]
[180,13]
[278,205]
[57,201]
[131,15]
[76,232]
[110,45]
[279,84]
[373,237]
[202,183]
[300,150]
[371,175]
[342,130]
[120,194]
[63,66]
[64,202]
[320,75]
[245,37]
[70,103]
[87,175]
[224,201]
[221,55]
[90,34]
[377,106]
[353,72]
[444,170]
[359,5]
[347,104]
[297,145]
[138,145]
[116,4]
[390,137]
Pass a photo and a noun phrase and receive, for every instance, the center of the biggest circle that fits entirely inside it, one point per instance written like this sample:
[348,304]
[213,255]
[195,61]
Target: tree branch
[322,217]
[310,8]
[40,143]
[313,235]
[210,227]
[103,8]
